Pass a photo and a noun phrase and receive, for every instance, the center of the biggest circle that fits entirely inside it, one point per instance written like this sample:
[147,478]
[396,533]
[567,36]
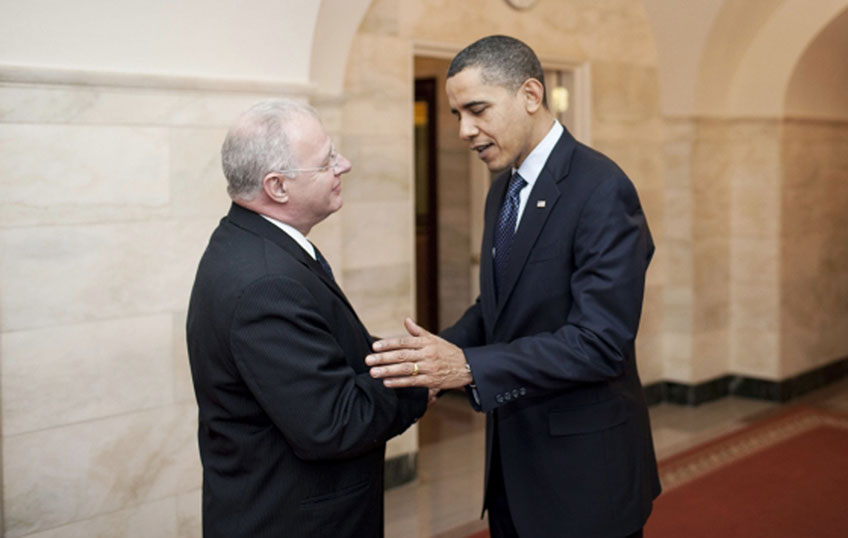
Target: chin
[496,166]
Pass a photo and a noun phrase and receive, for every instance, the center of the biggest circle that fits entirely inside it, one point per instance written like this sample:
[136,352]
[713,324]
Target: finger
[402,342]
[405,381]
[388,357]
[402,369]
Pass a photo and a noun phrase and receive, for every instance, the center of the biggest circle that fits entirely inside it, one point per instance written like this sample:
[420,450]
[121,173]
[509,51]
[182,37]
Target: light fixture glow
[559,98]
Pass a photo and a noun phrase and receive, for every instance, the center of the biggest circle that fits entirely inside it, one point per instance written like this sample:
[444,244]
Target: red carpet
[785,476]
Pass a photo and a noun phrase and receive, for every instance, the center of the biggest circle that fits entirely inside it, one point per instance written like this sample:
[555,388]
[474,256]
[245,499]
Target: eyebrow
[468,105]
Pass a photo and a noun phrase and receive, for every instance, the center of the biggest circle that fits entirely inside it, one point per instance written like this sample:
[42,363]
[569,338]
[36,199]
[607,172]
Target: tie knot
[515,185]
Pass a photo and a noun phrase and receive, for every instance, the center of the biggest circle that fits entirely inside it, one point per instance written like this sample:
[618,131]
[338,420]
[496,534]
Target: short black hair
[503,61]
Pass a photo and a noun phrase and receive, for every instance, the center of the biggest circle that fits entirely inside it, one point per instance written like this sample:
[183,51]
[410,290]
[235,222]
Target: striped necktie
[506,227]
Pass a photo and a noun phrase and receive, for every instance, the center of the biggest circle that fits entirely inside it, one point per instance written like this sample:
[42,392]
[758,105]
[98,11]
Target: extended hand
[419,360]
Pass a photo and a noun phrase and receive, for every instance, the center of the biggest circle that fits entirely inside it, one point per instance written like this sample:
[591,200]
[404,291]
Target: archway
[814,205]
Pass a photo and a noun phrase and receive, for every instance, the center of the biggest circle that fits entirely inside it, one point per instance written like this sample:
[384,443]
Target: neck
[264,206]
[539,128]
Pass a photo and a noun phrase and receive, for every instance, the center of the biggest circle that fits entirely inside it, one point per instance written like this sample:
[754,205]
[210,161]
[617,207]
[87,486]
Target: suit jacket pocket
[587,419]
[343,493]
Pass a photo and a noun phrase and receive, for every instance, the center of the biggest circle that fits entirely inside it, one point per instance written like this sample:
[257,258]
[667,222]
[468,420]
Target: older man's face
[315,195]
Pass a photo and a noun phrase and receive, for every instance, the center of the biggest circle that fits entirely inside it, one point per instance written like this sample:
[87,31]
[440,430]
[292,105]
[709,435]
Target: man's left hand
[421,359]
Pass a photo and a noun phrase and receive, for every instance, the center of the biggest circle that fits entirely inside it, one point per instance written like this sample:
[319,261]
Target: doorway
[426,206]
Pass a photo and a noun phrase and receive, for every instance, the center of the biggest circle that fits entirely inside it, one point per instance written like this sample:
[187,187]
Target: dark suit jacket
[553,356]
[292,429]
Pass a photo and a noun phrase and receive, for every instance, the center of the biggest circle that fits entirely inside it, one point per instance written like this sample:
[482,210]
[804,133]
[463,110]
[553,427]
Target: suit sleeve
[295,367]
[468,330]
[612,249]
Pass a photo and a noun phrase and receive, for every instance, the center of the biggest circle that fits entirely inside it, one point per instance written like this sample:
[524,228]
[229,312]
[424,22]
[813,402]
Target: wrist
[469,377]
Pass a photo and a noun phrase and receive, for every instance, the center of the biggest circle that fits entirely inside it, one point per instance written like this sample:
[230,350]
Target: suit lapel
[543,198]
[532,221]
[260,226]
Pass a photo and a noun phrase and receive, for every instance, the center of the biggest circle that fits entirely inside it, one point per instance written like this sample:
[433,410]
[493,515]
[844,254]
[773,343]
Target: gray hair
[258,143]
[503,61]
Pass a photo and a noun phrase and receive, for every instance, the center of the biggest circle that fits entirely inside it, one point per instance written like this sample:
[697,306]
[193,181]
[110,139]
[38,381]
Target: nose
[467,128]
[342,165]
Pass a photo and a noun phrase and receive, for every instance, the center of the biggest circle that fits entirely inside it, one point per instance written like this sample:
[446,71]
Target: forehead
[468,86]
[310,138]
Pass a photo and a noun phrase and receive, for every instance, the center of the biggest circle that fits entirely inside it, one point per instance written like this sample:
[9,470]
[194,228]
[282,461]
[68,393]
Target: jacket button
[499,398]
[522,391]
[515,393]
[508,396]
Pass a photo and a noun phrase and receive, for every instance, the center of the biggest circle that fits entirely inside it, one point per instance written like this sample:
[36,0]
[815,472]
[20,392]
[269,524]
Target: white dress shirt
[299,238]
[533,164]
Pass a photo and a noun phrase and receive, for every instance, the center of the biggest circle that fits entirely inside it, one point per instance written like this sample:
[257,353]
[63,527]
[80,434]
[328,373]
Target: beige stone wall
[756,239]
[755,190]
[813,249]
[107,199]
[722,187]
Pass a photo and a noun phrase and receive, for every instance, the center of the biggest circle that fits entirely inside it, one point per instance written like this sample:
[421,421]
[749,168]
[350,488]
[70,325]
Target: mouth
[482,149]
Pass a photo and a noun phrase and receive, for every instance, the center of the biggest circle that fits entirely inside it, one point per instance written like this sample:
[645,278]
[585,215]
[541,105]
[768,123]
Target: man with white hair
[292,429]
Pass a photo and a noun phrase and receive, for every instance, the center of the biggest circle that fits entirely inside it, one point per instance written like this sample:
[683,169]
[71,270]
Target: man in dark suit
[547,351]
[292,429]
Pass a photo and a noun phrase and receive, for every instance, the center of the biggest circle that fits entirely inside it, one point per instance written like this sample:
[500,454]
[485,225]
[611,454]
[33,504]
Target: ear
[275,186]
[533,94]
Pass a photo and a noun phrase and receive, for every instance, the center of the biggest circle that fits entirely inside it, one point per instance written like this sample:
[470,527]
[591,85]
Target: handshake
[420,359]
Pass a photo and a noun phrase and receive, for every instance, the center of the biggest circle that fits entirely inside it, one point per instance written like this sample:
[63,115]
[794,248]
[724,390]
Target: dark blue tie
[506,227]
[324,264]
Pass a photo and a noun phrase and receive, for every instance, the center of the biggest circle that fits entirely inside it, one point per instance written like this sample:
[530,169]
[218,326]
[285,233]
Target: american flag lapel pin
[540,203]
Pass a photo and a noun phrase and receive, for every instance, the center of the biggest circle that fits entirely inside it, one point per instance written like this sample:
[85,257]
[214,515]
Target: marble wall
[108,195]
[718,232]
[813,245]
[756,233]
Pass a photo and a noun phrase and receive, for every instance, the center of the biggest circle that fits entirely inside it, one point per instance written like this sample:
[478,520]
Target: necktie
[506,227]
[324,264]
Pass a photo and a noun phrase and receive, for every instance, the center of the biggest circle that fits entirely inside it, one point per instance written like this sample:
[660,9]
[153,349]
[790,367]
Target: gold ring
[414,368]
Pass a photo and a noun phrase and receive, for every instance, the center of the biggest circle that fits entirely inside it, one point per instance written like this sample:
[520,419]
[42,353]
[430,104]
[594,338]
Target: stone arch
[752,51]
[817,85]
[335,27]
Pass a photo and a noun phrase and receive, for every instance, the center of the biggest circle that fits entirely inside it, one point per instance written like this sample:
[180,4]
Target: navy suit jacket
[292,428]
[552,355]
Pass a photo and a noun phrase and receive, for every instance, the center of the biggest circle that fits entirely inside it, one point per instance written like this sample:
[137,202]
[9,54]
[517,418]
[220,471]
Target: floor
[445,500]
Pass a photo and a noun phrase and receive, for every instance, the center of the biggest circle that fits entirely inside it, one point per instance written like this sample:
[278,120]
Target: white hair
[258,143]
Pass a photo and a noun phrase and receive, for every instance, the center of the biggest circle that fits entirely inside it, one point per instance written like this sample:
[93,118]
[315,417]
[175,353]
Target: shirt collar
[299,238]
[533,164]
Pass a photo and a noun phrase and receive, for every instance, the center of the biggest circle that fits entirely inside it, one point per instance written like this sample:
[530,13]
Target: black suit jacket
[292,429]
[553,354]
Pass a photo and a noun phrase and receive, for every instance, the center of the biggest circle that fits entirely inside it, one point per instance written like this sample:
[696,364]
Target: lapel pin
[540,203]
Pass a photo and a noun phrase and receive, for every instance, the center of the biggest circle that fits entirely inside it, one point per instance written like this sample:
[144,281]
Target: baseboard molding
[748,387]
[400,470]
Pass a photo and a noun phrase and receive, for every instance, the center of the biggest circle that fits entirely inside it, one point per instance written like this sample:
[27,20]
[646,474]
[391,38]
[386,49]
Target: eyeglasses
[334,164]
